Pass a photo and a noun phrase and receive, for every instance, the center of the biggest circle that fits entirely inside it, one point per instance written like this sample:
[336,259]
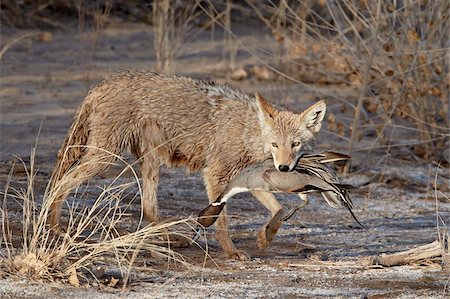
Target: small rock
[370,105]
[261,72]
[45,36]
[239,74]
[420,151]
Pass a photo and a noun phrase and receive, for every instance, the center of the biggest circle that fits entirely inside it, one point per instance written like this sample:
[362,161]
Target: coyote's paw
[238,255]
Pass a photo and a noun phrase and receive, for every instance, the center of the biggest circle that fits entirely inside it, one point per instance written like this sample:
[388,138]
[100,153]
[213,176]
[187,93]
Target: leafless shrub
[230,47]
[172,27]
[392,53]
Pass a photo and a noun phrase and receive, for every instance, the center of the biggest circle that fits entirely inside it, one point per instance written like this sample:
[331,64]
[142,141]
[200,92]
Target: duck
[311,174]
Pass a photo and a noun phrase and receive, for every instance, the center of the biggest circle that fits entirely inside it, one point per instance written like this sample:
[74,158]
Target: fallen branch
[412,256]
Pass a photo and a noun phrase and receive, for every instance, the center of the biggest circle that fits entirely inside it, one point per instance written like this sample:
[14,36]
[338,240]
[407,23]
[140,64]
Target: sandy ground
[320,252]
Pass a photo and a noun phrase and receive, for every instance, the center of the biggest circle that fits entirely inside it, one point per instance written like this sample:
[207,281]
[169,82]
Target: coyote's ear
[313,116]
[267,110]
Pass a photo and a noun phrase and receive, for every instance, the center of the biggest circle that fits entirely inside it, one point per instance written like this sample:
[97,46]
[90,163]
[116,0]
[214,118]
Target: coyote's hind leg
[92,162]
[150,168]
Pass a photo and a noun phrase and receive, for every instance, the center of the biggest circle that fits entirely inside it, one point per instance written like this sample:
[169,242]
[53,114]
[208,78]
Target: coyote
[179,121]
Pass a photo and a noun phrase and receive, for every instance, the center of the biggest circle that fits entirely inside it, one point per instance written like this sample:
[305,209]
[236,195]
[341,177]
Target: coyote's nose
[283,168]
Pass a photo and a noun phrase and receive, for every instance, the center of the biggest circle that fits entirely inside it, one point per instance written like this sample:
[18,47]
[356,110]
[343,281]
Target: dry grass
[92,233]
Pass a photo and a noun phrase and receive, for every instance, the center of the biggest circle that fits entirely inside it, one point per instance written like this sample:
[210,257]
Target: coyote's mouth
[295,162]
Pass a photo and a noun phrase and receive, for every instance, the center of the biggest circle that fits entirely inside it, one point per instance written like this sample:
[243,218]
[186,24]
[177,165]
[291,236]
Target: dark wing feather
[326,157]
[337,195]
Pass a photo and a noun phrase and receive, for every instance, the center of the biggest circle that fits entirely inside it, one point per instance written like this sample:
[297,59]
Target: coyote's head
[286,135]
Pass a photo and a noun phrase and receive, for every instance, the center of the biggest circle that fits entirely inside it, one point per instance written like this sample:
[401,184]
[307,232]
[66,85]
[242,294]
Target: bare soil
[320,252]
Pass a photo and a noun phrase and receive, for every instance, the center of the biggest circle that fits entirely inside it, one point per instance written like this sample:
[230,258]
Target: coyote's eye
[295,144]
[274,144]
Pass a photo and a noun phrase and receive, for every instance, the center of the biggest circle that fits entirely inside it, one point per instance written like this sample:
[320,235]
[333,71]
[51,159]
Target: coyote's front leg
[215,187]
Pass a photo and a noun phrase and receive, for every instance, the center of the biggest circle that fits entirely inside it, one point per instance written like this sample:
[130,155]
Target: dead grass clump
[393,55]
[92,233]
[29,265]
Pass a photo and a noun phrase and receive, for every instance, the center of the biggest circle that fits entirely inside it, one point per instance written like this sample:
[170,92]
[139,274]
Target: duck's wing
[326,157]
[332,198]
[337,194]
[316,167]
[292,182]
[295,182]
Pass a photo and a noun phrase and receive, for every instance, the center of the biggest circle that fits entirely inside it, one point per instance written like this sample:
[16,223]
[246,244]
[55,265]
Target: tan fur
[178,121]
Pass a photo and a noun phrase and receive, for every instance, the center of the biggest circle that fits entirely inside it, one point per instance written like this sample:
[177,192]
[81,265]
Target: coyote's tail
[73,147]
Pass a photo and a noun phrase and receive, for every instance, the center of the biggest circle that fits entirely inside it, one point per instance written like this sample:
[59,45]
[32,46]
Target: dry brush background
[382,67]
